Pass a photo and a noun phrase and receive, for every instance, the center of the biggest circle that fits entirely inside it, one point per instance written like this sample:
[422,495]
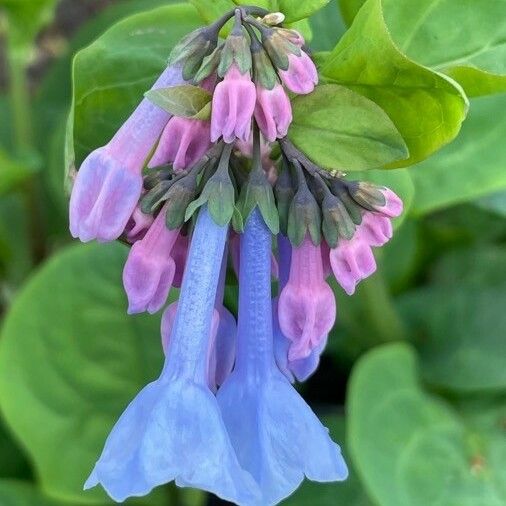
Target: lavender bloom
[183,143]
[273,112]
[307,306]
[109,182]
[173,429]
[277,438]
[233,106]
[138,225]
[150,268]
[393,206]
[301,76]
[300,369]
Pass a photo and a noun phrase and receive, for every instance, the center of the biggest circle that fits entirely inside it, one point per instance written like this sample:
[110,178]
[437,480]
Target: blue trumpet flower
[276,436]
[173,429]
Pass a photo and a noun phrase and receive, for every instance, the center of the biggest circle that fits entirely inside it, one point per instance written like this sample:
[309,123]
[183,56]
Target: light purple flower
[375,229]
[183,143]
[138,225]
[301,76]
[150,268]
[393,206]
[233,106]
[109,183]
[273,112]
[173,429]
[302,368]
[307,306]
[276,436]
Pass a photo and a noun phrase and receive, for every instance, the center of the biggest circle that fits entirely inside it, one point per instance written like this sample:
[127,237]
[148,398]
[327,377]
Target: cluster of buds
[193,195]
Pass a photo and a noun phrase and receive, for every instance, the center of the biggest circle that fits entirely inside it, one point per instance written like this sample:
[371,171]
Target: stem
[381,311]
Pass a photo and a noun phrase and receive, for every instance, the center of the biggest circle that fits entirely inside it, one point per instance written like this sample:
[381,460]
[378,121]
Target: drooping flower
[183,143]
[301,75]
[173,429]
[150,268]
[109,183]
[233,106]
[276,436]
[307,306]
[138,225]
[273,112]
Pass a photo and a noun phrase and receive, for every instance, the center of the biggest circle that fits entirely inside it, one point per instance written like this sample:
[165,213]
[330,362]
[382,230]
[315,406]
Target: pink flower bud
[183,143]
[301,76]
[233,106]
[137,225]
[393,206]
[149,269]
[307,307]
[109,183]
[273,112]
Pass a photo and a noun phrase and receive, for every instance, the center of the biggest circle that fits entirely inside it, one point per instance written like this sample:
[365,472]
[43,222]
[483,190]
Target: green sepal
[237,221]
[258,192]
[278,48]
[209,65]
[367,195]
[235,50]
[179,196]
[152,200]
[284,192]
[336,222]
[265,74]
[303,217]
[353,209]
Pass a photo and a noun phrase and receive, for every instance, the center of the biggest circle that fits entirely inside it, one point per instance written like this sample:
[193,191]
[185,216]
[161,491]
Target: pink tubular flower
[137,225]
[149,269]
[183,143]
[375,229]
[301,76]
[307,307]
[273,112]
[393,206]
[109,182]
[233,107]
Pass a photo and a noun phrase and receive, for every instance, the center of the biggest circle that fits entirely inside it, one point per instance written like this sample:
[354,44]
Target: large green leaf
[472,166]
[458,321]
[70,361]
[111,75]
[348,493]
[340,129]
[13,172]
[411,448]
[426,107]
[20,493]
[465,39]
[328,27]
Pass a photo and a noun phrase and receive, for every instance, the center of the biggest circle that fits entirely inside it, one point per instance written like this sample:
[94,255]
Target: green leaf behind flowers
[426,107]
[186,101]
[340,129]
[465,39]
[411,448]
[77,315]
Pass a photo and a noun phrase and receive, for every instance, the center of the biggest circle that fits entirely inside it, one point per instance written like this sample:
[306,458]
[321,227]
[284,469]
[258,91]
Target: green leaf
[347,493]
[186,101]
[13,172]
[471,167]
[21,493]
[340,129]
[411,448]
[495,203]
[328,27]
[111,75]
[458,321]
[71,360]
[295,10]
[426,107]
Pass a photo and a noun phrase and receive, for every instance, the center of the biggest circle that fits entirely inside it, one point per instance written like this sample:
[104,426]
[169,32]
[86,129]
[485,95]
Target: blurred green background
[413,383]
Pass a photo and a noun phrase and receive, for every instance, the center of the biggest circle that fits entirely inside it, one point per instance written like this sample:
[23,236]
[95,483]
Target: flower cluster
[193,196]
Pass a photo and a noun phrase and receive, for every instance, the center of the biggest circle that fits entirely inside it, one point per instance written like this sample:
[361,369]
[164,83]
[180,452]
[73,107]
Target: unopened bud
[179,196]
[284,192]
[336,220]
[279,47]
[274,18]
[367,195]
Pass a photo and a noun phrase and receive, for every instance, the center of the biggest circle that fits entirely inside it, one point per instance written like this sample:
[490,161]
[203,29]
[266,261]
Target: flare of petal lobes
[375,229]
[351,262]
[277,437]
[233,106]
[183,143]
[109,182]
[222,343]
[393,206]
[173,429]
[150,268]
[103,198]
[300,369]
[307,306]
[138,225]
[273,112]
[301,76]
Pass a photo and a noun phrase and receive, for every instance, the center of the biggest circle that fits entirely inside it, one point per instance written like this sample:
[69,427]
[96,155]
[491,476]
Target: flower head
[273,112]
[301,75]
